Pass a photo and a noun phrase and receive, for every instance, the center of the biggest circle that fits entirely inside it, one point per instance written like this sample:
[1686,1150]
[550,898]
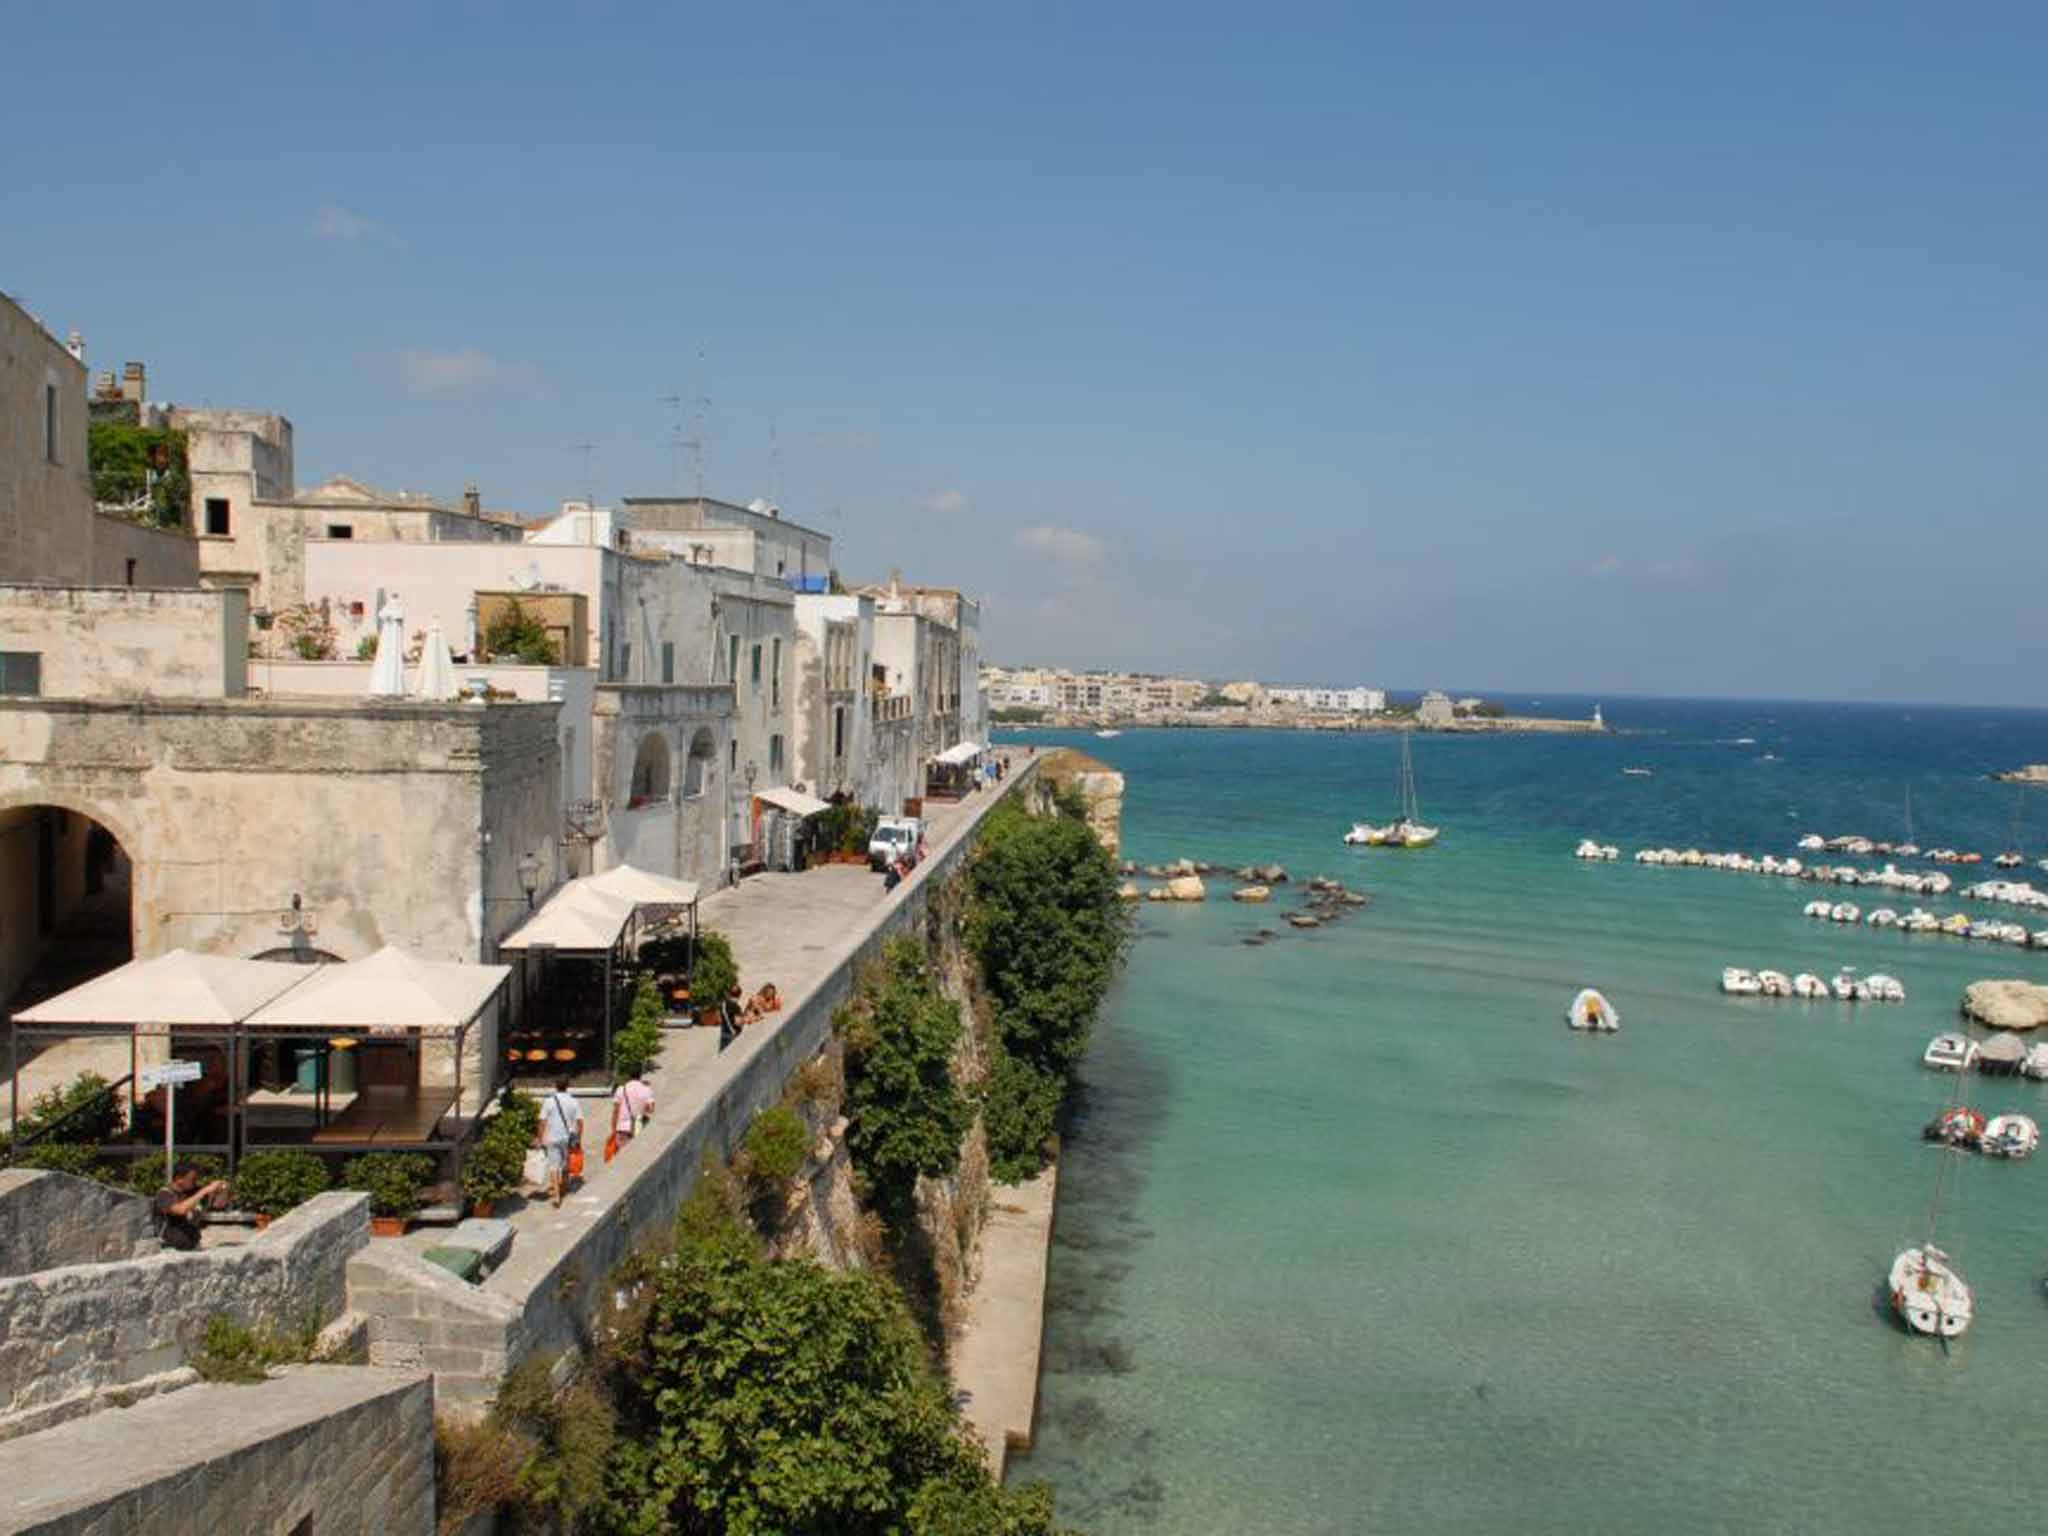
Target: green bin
[463,1263]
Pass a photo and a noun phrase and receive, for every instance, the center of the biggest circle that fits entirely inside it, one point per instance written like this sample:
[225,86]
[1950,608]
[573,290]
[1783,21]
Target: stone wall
[46,516]
[52,1219]
[337,1450]
[163,557]
[130,642]
[93,1335]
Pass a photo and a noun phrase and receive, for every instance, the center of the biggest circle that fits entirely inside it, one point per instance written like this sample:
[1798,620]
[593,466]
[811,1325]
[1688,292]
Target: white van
[894,836]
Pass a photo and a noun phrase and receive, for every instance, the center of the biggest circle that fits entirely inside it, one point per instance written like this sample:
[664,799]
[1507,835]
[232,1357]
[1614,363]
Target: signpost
[167,1077]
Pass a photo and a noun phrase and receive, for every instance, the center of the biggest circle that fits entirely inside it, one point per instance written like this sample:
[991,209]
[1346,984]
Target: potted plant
[271,1183]
[713,974]
[492,1169]
[393,1181]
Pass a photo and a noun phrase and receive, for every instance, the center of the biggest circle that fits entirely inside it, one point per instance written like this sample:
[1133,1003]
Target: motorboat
[1878,987]
[1883,917]
[1590,1010]
[1636,773]
[1363,836]
[1819,909]
[1806,984]
[1950,1053]
[1957,1126]
[1737,982]
[1927,1293]
[1813,842]
[1845,912]
[2035,1063]
[1108,735]
[1588,849]
[1774,983]
[1843,986]
[2010,860]
[2010,1136]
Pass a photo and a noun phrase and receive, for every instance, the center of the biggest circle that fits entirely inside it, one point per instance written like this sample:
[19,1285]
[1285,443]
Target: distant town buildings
[1348,701]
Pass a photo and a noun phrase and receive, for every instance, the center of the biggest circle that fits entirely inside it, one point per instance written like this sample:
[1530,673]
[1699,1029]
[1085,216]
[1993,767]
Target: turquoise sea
[1355,1235]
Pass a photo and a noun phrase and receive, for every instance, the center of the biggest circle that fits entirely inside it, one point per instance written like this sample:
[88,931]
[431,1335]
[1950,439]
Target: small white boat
[1929,1296]
[2035,1063]
[1813,842]
[1843,986]
[2010,1136]
[1590,1010]
[1774,983]
[1845,912]
[1363,836]
[1806,984]
[1950,1053]
[2010,860]
[1819,909]
[1109,735]
[1883,917]
[1881,988]
[1637,773]
[1737,982]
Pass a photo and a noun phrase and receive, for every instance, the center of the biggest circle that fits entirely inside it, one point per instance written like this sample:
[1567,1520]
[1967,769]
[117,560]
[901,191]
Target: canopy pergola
[595,918]
[216,1002]
[952,770]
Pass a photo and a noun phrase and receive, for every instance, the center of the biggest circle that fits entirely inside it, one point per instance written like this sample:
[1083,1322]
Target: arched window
[652,776]
[697,770]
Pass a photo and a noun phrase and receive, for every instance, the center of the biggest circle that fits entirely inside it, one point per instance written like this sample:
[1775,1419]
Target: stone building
[46,510]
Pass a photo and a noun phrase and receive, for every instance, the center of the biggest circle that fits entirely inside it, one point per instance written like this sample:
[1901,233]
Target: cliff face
[1100,786]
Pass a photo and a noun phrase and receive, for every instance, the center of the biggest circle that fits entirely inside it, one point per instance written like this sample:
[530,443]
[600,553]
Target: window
[839,731]
[217,516]
[50,422]
[668,661]
[775,756]
[732,755]
[626,661]
[21,672]
[732,659]
[652,775]
[757,669]
[334,530]
[697,771]
[775,676]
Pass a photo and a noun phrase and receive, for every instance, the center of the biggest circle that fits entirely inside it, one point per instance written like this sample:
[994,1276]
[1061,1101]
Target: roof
[792,800]
[176,989]
[962,752]
[641,886]
[391,989]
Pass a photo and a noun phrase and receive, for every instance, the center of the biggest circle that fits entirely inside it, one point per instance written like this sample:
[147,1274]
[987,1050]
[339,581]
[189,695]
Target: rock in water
[1128,891]
[1183,888]
[1182,867]
[1304,920]
[1252,893]
[2006,1004]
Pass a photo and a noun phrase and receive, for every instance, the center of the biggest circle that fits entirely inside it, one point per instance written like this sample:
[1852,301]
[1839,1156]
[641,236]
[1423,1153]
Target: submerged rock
[1304,920]
[1273,874]
[2006,1004]
[1128,891]
[1252,893]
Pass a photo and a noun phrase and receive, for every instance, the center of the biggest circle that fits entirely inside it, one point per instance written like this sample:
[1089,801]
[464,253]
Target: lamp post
[529,878]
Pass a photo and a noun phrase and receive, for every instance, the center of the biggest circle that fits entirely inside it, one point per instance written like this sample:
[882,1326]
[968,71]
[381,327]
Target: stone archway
[70,889]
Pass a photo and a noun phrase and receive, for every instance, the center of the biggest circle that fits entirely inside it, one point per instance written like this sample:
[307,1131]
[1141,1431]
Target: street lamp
[529,878]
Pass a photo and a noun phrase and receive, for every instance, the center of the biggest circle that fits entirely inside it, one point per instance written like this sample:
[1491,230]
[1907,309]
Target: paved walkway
[791,929]
[995,1357]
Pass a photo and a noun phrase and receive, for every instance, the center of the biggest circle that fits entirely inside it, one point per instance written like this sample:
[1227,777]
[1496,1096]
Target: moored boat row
[1956,925]
[1738,981]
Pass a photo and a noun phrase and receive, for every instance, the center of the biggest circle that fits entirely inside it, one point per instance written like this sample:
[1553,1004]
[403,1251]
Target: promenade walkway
[792,929]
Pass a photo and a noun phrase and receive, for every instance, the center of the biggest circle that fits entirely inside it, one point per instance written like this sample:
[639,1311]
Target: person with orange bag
[561,1136]
[632,1103]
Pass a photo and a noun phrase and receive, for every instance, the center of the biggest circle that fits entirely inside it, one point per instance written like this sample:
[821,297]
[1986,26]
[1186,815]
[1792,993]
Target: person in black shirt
[175,1211]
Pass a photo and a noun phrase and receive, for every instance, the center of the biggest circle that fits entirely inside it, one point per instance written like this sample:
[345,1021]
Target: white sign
[172,1072]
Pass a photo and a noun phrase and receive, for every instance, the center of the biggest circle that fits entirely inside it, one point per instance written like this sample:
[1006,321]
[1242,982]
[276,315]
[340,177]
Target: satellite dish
[528,579]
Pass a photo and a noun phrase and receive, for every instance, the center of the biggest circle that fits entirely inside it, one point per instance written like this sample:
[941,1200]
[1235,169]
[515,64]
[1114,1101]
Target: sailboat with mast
[1409,831]
[1927,1291]
[1908,849]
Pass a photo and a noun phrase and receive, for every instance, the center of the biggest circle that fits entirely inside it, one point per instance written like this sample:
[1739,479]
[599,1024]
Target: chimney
[75,345]
[132,382]
[472,503]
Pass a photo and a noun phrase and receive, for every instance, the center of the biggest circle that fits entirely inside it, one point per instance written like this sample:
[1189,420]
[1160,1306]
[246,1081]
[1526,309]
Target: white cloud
[946,501]
[1068,545]
[331,221]
[457,371]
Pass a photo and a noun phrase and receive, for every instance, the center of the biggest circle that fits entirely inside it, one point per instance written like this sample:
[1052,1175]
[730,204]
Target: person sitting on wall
[176,1211]
[766,1001]
[729,1017]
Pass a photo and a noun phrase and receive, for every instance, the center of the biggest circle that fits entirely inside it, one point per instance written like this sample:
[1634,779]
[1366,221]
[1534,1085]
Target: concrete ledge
[995,1358]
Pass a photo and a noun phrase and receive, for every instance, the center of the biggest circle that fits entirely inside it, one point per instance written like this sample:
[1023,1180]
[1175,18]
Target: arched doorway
[66,902]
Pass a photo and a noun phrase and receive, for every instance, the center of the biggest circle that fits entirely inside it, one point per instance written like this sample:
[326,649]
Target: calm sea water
[1355,1235]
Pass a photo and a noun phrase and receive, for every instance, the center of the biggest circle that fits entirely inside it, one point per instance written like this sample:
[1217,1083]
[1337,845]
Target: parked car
[895,836]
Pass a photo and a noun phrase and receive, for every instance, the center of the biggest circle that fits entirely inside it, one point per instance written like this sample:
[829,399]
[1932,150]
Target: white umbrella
[387,674]
[437,667]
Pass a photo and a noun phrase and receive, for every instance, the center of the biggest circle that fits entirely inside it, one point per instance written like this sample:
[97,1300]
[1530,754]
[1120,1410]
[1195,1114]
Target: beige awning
[794,800]
[961,752]
[390,990]
[641,886]
[178,989]
[575,917]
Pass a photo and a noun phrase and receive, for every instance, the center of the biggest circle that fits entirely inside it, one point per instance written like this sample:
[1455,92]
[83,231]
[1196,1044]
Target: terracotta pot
[387,1226]
[264,1221]
[707,1018]
[481,1207]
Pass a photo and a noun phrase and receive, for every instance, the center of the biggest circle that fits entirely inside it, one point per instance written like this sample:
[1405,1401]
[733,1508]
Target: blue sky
[1611,348]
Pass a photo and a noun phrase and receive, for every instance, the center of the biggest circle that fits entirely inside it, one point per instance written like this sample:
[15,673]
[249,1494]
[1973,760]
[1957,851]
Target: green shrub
[366,648]
[776,1145]
[1019,1108]
[714,972]
[145,1175]
[516,635]
[100,1112]
[638,1042]
[517,1119]
[270,1183]
[73,1157]
[129,461]
[908,1115]
[493,1167]
[393,1180]
[231,1352]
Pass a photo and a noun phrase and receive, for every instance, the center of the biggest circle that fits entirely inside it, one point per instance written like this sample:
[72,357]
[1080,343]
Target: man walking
[561,1128]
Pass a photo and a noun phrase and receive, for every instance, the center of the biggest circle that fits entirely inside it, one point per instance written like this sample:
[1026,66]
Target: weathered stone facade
[337,1450]
[124,642]
[52,1219]
[46,515]
[85,1336]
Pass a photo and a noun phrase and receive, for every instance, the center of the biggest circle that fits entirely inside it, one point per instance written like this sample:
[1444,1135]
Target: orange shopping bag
[576,1160]
[611,1146]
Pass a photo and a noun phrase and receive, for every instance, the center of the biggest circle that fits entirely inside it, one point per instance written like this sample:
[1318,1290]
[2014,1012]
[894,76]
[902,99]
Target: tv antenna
[586,449]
